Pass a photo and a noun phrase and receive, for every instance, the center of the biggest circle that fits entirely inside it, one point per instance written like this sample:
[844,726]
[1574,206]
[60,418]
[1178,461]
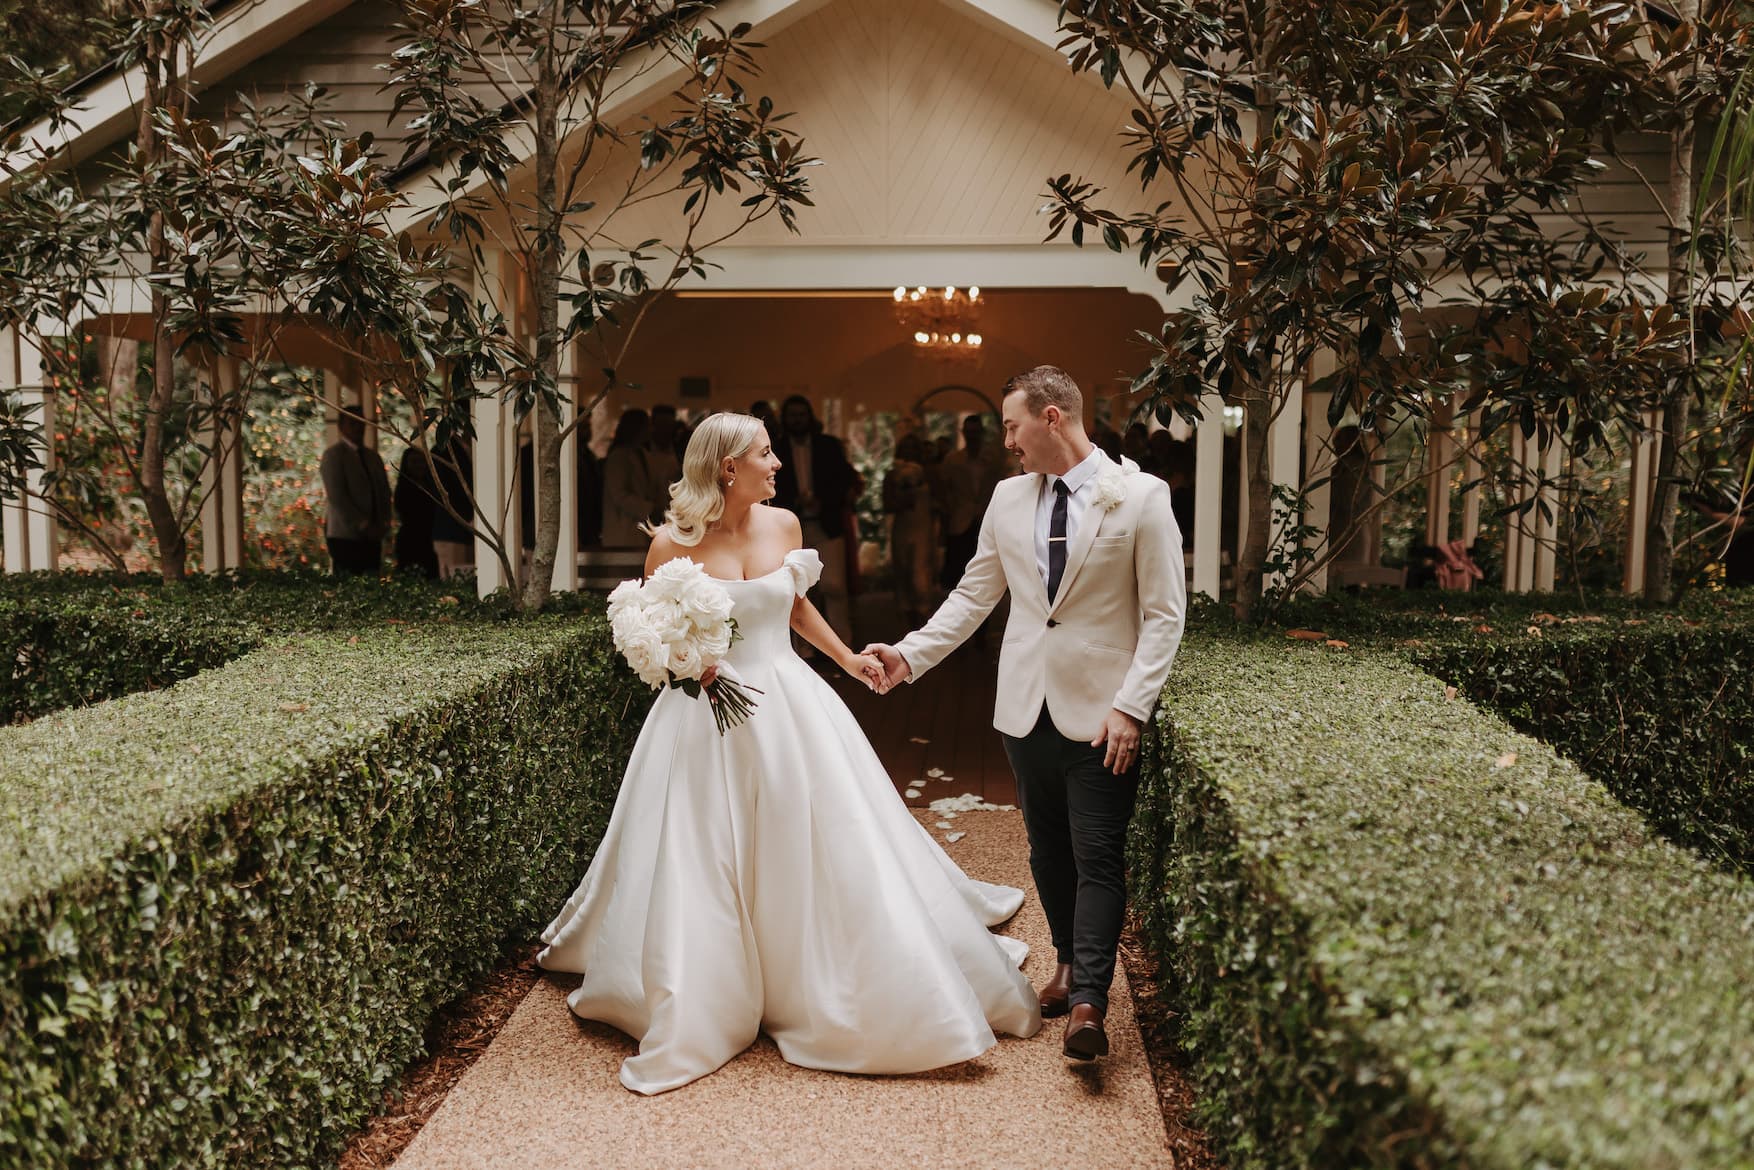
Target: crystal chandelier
[942,320]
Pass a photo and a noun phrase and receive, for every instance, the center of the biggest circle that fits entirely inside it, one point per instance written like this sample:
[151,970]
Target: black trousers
[350,557]
[1076,812]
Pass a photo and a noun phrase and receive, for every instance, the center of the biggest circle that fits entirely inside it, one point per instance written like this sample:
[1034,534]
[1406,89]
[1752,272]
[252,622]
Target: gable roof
[242,31]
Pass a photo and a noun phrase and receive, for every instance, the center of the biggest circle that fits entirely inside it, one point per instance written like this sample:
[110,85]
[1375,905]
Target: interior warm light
[940,318]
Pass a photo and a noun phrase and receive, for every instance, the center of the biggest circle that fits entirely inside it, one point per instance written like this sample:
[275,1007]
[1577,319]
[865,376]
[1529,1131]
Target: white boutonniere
[1111,488]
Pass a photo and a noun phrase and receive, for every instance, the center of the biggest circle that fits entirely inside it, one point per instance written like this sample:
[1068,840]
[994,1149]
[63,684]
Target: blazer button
[1052,623]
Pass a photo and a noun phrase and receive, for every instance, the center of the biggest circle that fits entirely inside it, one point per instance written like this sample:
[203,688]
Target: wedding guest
[414,511]
[590,489]
[628,491]
[1136,444]
[907,497]
[815,480]
[453,513]
[358,491]
[762,409]
[664,459]
[969,474]
[1108,441]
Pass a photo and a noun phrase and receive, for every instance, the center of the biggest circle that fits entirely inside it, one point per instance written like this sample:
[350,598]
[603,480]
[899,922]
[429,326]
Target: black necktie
[1057,538]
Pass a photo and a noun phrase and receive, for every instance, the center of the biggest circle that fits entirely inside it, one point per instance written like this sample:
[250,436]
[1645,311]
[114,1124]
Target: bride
[771,879]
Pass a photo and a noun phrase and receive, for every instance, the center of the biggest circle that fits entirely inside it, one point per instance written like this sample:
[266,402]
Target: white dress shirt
[1080,487]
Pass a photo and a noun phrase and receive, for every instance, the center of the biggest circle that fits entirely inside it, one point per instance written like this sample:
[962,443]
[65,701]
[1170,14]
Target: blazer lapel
[1024,527]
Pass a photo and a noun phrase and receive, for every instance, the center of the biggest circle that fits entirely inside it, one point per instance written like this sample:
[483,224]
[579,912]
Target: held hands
[894,666]
[867,668]
[1121,733]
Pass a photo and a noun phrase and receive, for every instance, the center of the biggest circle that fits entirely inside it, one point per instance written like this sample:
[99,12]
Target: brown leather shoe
[1056,997]
[1085,1038]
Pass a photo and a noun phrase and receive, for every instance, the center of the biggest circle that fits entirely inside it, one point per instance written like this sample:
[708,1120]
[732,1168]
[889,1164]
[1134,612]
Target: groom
[1092,557]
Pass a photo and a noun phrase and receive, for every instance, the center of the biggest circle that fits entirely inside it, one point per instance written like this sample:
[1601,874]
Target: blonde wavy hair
[698,499]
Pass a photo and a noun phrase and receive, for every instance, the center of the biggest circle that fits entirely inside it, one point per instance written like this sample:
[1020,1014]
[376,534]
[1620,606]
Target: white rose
[686,661]
[715,643]
[671,579]
[625,594]
[641,644]
[707,602]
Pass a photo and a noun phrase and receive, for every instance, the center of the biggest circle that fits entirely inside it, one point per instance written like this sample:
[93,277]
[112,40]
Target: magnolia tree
[520,112]
[1337,169]
[188,214]
[1700,52]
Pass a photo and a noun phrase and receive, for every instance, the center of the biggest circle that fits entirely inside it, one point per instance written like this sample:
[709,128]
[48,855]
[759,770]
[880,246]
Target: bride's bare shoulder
[785,522]
[664,548]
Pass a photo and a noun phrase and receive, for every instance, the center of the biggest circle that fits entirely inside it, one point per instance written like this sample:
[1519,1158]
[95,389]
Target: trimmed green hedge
[1407,935]
[65,651]
[76,638]
[228,908]
[1662,714]
[1658,706]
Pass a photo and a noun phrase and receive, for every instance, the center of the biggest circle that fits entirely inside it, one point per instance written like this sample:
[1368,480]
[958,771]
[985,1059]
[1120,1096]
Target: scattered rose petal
[1506,760]
[917,739]
[935,773]
[1449,693]
[1336,644]
[295,707]
[913,794]
[953,838]
[942,825]
[949,806]
[1306,635]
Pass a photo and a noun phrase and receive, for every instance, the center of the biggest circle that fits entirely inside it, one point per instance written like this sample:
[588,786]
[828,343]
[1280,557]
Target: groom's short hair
[1047,386]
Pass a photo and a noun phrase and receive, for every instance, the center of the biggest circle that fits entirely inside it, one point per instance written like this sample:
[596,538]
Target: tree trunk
[162,90]
[545,288]
[1659,575]
[1257,411]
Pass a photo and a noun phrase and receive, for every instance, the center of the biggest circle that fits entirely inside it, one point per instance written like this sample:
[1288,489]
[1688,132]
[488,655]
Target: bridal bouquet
[676,626]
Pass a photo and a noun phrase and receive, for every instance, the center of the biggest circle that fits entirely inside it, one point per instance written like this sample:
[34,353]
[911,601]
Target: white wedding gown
[772,879]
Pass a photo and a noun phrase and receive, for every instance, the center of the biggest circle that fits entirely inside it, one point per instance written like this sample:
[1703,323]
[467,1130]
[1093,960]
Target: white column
[1641,491]
[489,491]
[333,399]
[40,545]
[566,553]
[1318,462]
[222,481]
[17,546]
[1208,494]
[1470,473]
[1439,456]
[1546,550]
[1284,453]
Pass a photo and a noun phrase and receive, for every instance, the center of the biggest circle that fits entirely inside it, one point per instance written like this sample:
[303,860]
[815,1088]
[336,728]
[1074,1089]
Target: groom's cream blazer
[1108,638]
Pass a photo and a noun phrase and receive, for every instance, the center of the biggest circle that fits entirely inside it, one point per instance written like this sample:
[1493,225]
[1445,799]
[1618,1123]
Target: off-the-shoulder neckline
[764,576]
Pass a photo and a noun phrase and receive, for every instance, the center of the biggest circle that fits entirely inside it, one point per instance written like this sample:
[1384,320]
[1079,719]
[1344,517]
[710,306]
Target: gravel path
[545,1094]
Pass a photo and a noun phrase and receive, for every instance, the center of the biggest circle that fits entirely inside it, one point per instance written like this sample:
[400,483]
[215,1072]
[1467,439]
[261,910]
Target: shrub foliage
[1407,935]
[228,908]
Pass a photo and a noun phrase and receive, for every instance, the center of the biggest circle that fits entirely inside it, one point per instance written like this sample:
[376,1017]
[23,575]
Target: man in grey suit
[358,489]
